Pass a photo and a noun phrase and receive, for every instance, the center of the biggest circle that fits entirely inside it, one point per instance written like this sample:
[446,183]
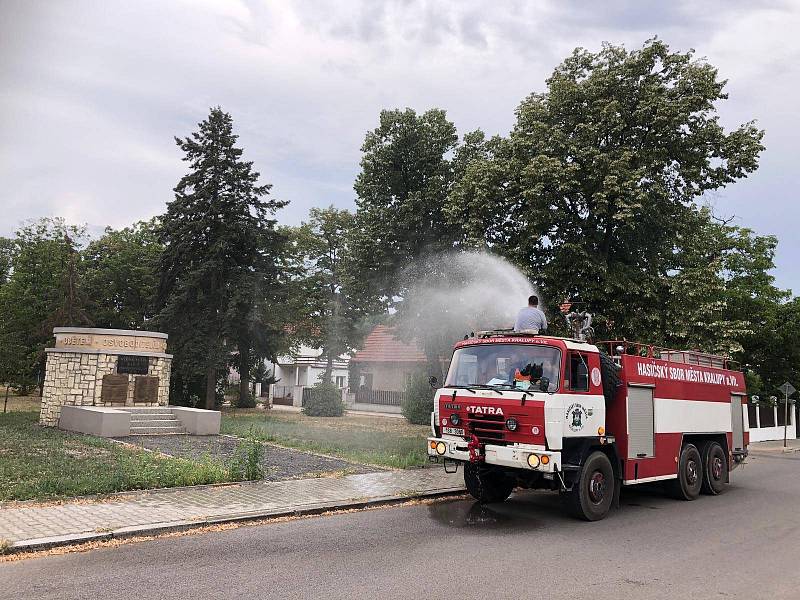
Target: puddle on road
[469,514]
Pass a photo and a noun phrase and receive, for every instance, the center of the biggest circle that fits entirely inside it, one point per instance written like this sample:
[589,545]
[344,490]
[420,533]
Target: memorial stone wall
[105,367]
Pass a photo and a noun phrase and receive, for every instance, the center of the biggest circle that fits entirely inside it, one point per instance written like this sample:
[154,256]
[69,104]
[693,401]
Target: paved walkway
[166,510]
[792,445]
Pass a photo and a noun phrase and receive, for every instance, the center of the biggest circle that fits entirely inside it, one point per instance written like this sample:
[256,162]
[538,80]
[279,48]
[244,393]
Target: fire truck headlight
[441,448]
[512,424]
[455,419]
[533,461]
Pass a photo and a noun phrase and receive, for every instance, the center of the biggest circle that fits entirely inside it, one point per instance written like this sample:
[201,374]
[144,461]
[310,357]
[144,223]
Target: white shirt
[530,318]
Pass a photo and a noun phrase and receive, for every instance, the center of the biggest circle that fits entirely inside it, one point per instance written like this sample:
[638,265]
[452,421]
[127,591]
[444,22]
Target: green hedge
[325,400]
[418,403]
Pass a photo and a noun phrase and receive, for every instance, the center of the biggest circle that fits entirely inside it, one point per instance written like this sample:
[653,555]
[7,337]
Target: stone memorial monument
[105,367]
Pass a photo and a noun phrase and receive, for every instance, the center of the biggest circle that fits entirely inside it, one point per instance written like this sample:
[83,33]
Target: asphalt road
[743,544]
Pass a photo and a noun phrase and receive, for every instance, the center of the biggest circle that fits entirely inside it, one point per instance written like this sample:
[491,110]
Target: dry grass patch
[383,441]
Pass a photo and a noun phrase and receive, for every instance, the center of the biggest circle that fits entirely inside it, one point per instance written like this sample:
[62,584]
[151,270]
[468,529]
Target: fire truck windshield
[505,365]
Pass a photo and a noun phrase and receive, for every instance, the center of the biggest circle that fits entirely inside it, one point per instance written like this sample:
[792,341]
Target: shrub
[247,401]
[418,403]
[325,400]
[245,464]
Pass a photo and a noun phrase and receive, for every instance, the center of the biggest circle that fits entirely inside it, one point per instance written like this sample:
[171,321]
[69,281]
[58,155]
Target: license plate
[453,431]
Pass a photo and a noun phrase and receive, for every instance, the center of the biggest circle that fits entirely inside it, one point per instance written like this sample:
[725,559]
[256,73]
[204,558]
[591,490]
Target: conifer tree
[220,249]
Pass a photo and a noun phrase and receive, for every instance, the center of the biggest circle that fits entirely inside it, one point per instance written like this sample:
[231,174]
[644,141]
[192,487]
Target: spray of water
[454,293]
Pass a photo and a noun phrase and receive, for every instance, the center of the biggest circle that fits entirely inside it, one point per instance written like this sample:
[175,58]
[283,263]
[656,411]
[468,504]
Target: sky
[93,93]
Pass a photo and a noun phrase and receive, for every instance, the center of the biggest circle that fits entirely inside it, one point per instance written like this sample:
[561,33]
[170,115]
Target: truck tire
[486,485]
[611,378]
[690,475]
[715,469]
[592,494]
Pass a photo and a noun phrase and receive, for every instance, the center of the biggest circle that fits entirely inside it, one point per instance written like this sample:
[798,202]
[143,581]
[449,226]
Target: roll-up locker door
[640,422]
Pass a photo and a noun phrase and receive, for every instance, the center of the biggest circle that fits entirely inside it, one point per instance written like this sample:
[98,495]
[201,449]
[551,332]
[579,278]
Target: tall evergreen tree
[219,254]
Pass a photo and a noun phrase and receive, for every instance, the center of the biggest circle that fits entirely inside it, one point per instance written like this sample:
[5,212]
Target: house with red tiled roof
[380,370]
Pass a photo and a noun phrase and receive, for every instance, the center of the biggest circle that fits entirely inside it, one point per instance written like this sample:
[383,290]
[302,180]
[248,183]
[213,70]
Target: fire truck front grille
[487,428]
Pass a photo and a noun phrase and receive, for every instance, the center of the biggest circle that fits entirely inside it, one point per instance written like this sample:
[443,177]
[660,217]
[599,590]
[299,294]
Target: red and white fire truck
[535,411]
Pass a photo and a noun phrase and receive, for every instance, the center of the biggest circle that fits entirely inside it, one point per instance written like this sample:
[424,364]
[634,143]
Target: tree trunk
[244,374]
[5,402]
[211,387]
[327,376]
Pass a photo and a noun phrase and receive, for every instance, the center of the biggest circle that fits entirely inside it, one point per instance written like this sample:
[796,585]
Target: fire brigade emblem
[576,417]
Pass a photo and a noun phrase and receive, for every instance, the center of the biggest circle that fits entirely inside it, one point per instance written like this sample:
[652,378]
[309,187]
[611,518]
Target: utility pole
[787,389]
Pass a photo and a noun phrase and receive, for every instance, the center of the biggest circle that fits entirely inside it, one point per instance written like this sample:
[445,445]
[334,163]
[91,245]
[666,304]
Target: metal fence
[306,394]
[385,397]
[282,394]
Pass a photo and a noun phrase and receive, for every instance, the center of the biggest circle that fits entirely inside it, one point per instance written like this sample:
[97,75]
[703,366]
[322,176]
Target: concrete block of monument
[95,420]
[198,421]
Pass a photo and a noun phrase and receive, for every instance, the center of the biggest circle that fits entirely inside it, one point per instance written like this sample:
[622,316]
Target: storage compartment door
[737,422]
[640,422]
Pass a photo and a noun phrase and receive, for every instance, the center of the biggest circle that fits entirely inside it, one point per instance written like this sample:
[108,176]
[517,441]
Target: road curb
[45,543]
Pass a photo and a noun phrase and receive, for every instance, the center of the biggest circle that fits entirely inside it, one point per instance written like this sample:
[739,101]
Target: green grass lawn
[381,441]
[42,463]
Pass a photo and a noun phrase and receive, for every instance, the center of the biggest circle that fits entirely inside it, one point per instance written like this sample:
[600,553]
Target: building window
[340,381]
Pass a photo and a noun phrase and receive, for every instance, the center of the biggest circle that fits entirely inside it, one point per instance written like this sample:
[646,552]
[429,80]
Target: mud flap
[617,492]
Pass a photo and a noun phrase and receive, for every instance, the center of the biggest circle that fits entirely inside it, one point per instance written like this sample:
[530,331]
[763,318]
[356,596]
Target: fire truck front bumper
[518,456]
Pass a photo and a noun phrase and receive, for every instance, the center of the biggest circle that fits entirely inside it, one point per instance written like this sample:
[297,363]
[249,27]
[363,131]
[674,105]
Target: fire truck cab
[537,411]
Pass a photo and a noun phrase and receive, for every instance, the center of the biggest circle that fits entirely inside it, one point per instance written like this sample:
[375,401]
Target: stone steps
[155,421]
[135,430]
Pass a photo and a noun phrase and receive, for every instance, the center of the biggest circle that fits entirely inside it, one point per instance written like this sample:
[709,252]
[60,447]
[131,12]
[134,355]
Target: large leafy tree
[219,256]
[43,291]
[331,317]
[406,174]
[408,167]
[120,272]
[721,290]
[771,354]
[6,249]
[594,190]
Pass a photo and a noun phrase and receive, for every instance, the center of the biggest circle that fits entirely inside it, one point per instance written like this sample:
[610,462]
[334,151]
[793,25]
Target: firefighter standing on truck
[531,317]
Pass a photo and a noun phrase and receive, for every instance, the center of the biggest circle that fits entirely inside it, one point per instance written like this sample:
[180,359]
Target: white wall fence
[375,401]
[768,423]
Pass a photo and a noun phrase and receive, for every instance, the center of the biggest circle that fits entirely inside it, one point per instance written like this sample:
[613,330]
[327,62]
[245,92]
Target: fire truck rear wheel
[690,474]
[592,494]
[486,485]
[715,468]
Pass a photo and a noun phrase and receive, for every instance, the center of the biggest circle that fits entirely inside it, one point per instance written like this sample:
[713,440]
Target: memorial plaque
[115,389]
[135,365]
[145,389]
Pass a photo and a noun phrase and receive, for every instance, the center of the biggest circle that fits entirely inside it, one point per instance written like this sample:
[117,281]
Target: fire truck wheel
[690,474]
[715,468]
[592,494]
[486,485]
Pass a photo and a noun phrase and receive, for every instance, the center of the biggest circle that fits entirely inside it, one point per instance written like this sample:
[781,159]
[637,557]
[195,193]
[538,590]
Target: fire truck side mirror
[544,384]
[433,381]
